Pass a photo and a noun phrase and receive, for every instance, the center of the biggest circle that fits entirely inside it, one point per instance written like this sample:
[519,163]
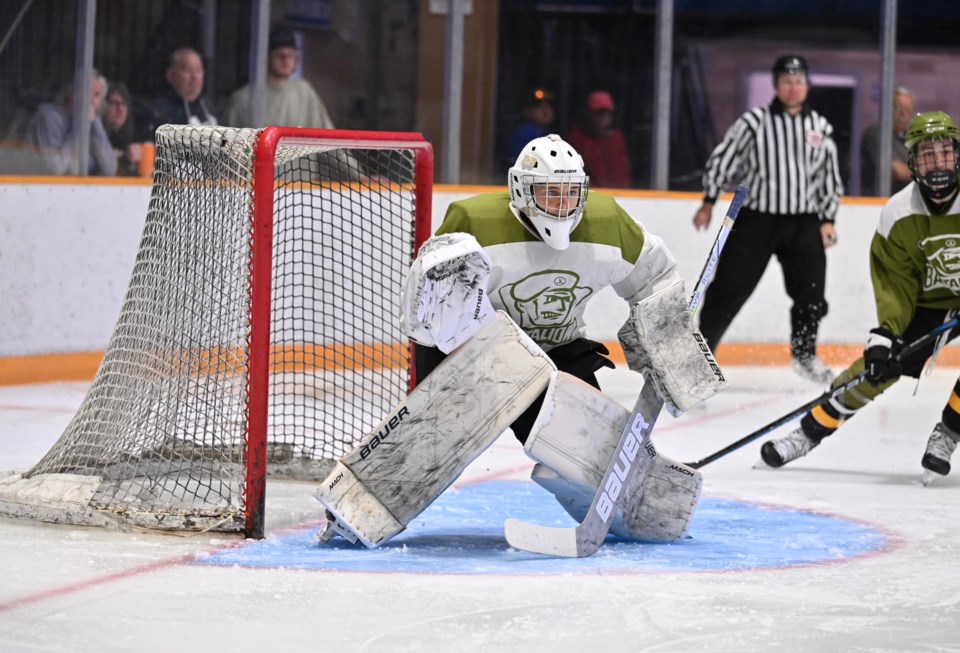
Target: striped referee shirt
[788,162]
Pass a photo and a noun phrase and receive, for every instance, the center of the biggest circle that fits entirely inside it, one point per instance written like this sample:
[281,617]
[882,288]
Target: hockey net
[259,330]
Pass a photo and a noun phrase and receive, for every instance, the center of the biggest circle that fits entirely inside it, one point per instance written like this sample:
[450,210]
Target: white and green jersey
[546,290]
[914,258]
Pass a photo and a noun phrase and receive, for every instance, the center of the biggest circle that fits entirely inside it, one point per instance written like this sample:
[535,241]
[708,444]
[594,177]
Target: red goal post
[259,330]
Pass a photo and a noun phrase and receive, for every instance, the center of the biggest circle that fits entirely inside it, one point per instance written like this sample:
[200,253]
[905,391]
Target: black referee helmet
[790,64]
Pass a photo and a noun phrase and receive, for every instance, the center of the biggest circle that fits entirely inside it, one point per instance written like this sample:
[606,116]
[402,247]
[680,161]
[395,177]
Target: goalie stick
[584,539]
[826,396]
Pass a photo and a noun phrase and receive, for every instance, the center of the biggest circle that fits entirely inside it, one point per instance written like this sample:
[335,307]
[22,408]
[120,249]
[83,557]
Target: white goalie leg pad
[444,299]
[660,341]
[573,439]
[424,444]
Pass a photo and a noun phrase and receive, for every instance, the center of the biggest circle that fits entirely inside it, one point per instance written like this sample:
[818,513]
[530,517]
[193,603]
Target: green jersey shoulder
[491,221]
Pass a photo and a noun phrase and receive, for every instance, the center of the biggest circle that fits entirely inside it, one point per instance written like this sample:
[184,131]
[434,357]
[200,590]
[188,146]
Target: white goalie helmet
[548,189]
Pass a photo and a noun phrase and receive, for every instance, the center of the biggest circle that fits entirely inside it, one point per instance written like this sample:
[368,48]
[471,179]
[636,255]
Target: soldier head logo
[544,299]
[943,267]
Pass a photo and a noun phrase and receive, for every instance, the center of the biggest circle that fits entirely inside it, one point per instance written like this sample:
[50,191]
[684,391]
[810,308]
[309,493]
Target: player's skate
[812,369]
[777,453]
[940,446]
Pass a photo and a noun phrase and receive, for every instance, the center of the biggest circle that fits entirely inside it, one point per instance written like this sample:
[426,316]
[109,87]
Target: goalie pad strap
[444,299]
[660,341]
[424,444]
[573,440]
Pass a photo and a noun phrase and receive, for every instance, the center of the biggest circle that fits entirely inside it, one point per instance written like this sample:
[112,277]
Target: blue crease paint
[462,533]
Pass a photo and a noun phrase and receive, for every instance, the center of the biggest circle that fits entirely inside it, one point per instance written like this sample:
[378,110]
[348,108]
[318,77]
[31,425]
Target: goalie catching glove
[660,341]
[444,299]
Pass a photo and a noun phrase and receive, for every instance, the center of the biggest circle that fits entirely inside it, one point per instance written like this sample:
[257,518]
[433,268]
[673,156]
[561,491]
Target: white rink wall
[66,253]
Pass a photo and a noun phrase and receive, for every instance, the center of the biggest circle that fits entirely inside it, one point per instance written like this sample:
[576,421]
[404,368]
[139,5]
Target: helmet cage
[554,229]
[936,184]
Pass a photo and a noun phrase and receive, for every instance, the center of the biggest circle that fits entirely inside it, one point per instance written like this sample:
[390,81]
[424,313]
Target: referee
[785,154]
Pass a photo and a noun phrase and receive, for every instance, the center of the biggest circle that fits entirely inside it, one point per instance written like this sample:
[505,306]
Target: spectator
[290,102]
[603,146]
[118,121]
[904,108]
[51,131]
[182,103]
[795,191]
[537,119]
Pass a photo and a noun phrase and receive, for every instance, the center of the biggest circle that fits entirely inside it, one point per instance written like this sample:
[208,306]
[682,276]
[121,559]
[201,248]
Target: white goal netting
[200,368]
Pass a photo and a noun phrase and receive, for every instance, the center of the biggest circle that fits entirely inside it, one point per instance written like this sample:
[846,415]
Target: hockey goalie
[495,302]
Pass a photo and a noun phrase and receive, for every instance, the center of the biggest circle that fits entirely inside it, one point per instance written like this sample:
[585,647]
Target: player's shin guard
[824,419]
[573,439]
[951,412]
[424,444]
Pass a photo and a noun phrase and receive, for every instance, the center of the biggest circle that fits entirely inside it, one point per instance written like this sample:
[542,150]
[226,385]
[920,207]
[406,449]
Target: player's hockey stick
[826,396]
[585,539]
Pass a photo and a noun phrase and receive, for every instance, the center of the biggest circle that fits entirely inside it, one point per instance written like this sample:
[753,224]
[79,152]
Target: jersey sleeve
[727,157]
[830,185]
[454,220]
[896,285]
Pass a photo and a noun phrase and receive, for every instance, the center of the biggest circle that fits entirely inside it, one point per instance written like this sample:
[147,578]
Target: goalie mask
[548,189]
[933,142]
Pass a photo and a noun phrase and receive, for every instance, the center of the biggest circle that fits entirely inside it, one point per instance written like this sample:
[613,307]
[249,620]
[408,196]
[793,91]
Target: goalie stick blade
[546,540]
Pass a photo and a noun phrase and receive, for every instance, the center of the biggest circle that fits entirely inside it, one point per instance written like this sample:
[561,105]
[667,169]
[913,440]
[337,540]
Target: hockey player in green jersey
[915,268]
[495,304]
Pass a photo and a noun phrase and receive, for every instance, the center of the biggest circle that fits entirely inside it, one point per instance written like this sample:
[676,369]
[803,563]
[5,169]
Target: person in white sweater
[290,102]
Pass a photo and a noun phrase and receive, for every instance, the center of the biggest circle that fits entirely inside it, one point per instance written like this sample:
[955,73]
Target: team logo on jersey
[943,262]
[543,304]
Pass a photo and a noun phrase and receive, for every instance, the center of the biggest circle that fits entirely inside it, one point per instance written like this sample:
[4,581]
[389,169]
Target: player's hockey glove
[881,358]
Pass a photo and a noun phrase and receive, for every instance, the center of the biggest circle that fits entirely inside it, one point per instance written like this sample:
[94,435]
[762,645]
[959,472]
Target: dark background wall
[379,64]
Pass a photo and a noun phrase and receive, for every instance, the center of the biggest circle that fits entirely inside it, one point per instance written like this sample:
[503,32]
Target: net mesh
[159,440]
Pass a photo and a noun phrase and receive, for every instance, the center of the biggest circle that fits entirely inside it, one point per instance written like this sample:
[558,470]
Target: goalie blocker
[660,341]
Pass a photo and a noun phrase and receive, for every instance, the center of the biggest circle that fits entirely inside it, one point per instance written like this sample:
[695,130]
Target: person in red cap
[603,146]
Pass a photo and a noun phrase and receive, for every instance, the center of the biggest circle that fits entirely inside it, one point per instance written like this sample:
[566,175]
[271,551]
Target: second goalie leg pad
[660,341]
[573,440]
[424,444]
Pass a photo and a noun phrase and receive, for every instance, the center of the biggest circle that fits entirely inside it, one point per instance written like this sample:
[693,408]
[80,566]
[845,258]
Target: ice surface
[843,550]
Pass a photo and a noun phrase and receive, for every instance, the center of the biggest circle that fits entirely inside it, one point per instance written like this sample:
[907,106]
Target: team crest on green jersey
[543,304]
[943,266]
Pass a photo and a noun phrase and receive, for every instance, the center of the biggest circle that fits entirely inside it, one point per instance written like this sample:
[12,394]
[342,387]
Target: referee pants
[756,236]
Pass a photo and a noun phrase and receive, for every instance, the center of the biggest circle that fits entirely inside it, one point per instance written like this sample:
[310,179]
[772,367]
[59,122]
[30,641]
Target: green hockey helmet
[936,184]
[930,126]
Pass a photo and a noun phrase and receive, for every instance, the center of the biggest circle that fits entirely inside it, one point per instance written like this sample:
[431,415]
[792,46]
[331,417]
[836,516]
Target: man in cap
[291,102]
